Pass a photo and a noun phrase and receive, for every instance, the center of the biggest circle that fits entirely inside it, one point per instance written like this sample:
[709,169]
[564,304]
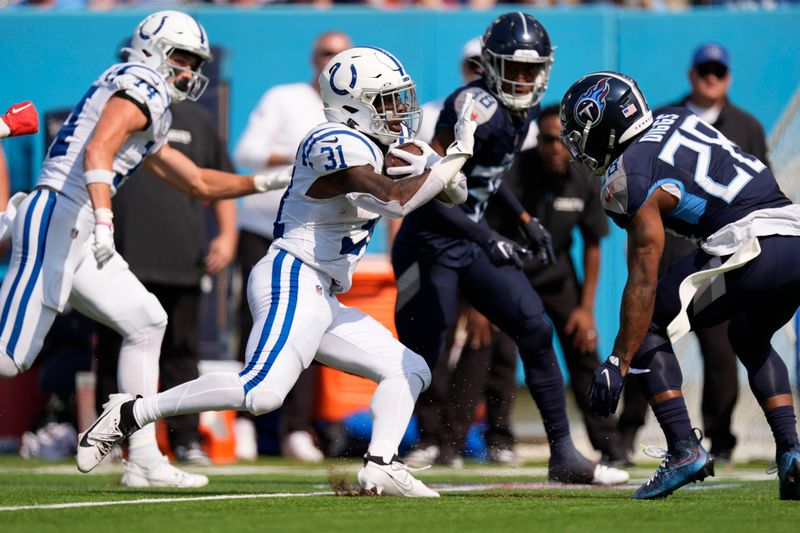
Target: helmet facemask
[575,142]
[396,114]
[503,73]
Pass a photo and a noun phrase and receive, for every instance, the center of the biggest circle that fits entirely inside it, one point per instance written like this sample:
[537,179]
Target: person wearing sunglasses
[280,120]
[710,79]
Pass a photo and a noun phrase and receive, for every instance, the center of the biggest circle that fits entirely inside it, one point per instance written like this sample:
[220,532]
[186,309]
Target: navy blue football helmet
[600,114]
[516,56]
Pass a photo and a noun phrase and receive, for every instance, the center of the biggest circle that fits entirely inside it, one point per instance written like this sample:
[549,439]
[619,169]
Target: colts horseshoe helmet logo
[353,78]
[591,104]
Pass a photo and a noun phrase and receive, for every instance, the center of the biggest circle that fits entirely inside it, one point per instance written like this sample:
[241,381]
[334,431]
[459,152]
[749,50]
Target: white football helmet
[158,36]
[369,90]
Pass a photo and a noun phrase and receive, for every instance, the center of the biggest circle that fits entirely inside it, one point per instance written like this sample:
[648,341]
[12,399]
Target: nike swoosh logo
[15,110]
[407,486]
[334,140]
[84,442]
[608,380]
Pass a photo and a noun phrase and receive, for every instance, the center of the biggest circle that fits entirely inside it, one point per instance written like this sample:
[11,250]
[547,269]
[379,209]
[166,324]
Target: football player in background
[324,223]
[676,172]
[440,252]
[63,234]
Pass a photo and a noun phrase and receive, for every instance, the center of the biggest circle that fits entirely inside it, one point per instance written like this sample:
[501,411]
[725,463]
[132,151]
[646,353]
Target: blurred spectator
[161,234]
[276,126]
[710,79]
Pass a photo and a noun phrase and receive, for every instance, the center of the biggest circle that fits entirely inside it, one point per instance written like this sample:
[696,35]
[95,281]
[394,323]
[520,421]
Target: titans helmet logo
[591,104]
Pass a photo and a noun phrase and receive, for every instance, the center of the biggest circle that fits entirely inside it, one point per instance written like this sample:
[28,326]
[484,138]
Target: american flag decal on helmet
[629,110]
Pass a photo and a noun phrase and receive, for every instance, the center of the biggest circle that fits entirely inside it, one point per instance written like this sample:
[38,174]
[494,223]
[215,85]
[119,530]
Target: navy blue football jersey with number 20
[718,183]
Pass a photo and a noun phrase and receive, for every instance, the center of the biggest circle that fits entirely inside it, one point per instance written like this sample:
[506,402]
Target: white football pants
[295,320]
[52,263]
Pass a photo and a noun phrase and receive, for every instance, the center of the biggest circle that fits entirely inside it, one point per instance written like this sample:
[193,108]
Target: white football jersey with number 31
[331,234]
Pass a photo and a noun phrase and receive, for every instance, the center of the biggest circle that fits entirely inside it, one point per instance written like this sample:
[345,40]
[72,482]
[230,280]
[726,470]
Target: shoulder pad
[614,188]
[485,104]
[142,79]
[334,147]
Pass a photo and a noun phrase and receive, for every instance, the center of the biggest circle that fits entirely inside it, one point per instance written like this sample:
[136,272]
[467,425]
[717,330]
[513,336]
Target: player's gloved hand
[502,251]
[417,164]
[20,119]
[541,240]
[464,129]
[103,246]
[455,191]
[274,180]
[606,387]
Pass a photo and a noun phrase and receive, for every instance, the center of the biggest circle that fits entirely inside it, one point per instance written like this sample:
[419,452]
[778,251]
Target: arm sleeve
[509,200]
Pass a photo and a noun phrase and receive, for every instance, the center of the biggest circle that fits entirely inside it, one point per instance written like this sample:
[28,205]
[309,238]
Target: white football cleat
[101,437]
[160,474]
[607,475]
[392,479]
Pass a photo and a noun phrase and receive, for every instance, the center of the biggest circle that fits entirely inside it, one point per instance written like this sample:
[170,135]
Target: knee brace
[8,369]
[259,401]
[656,355]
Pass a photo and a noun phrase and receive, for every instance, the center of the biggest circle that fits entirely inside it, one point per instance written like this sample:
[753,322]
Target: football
[393,161]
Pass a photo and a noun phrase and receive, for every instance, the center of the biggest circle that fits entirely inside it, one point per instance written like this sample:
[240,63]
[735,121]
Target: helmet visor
[397,112]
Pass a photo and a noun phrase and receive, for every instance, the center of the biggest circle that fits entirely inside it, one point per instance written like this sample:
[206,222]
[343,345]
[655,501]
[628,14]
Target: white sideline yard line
[451,488]
[165,500]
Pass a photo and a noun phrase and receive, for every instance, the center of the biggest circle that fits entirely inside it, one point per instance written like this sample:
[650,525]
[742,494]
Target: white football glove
[103,246]
[464,129]
[271,181]
[417,164]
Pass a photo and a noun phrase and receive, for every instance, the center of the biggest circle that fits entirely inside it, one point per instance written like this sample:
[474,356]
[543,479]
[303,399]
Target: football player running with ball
[676,172]
[63,233]
[326,218]
[440,252]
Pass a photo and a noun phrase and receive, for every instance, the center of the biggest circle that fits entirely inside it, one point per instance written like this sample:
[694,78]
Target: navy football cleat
[789,473]
[688,462]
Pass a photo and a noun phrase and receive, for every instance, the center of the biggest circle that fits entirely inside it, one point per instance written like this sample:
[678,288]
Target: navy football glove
[606,387]
[540,239]
[502,251]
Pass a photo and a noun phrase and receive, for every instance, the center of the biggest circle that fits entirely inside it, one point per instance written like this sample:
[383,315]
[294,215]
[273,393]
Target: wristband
[261,182]
[99,176]
[104,216]
[5,130]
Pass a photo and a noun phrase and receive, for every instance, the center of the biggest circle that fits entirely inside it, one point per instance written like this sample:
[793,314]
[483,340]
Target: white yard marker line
[167,500]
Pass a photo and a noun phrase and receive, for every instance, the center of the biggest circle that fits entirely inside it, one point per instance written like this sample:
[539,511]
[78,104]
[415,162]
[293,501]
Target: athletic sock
[391,407]
[782,421]
[674,419]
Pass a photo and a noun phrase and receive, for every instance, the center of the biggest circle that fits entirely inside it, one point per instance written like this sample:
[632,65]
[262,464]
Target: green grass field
[275,495]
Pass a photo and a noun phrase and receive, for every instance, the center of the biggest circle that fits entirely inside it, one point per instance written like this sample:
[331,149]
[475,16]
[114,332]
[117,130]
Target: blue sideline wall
[51,58]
